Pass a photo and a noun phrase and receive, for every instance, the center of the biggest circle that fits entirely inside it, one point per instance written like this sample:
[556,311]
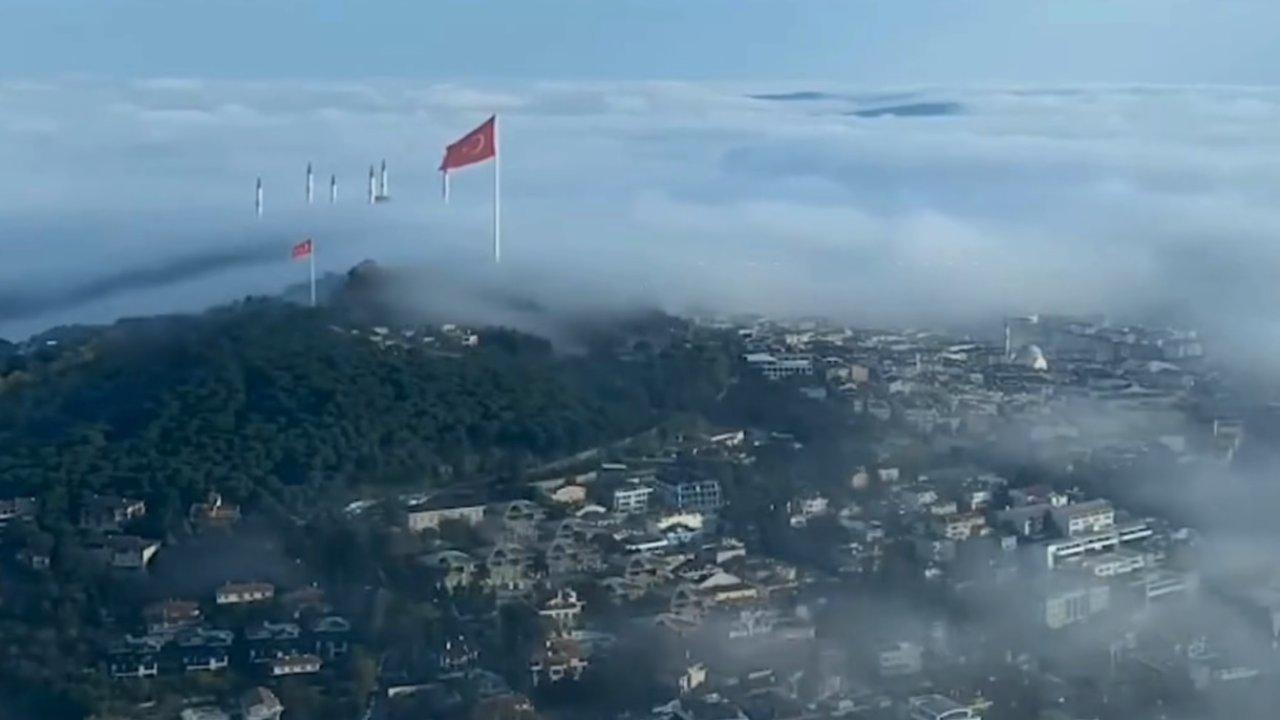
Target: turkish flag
[476,146]
[302,249]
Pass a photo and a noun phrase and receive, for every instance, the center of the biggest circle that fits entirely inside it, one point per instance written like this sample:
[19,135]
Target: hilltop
[266,399]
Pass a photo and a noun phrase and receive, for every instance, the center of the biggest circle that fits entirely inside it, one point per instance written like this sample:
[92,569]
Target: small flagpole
[444,185]
[497,194]
[311,261]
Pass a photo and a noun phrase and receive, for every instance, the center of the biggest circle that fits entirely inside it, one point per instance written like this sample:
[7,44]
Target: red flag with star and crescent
[475,147]
[302,250]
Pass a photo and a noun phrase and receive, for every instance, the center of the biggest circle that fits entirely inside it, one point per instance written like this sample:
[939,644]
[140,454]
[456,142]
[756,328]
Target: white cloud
[1115,199]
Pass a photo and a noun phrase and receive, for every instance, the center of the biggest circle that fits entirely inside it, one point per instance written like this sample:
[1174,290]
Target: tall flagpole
[311,260]
[444,185]
[497,194]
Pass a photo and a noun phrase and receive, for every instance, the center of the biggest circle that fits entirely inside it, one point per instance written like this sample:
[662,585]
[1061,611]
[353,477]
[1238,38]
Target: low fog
[916,205]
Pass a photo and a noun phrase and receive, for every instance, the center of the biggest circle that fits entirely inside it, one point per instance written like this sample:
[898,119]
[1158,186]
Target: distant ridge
[798,95]
[921,109]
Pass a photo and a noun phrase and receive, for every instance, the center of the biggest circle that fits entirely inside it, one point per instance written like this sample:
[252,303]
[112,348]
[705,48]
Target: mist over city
[639,360]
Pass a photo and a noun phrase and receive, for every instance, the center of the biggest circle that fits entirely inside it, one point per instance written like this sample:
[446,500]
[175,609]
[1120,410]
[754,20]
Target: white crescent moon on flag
[477,145]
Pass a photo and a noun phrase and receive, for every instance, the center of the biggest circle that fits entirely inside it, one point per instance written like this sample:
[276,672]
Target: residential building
[108,513]
[961,526]
[452,569]
[1083,518]
[558,659]
[203,712]
[17,508]
[134,666]
[1074,600]
[213,512]
[1058,550]
[776,367]
[562,610]
[204,659]
[129,552]
[900,658]
[701,496]
[938,707]
[260,704]
[247,592]
[433,511]
[171,615]
[294,665]
[632,498]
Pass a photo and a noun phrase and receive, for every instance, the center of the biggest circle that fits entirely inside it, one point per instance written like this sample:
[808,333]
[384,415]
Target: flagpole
[497,194]
[444,185]
[311,261]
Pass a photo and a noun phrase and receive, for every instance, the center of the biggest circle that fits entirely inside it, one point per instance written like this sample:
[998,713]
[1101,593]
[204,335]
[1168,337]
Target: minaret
[333,189]
[257,199]
[373,186]
[382,181]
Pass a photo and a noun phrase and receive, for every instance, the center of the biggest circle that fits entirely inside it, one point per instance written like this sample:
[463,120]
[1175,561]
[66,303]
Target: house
[34,559]
[1067,601]
[646,571]
[199,636]
[108,513]
[457,656]
[566,557]
[776,367]
[294,665]
[445,507]
[519,520]
[134,666]
[568,494]
[272,631]
[241,593]
[510,567]
[558,659]
[203,712]
[307,597]
[507,706]
[899,659]
[632,498]
[695,495]
[723,588]
[130,552]
[452,569]
[17,508]
[937,707]
[1083,518]
[171,615]
[960,526]
[1027,521]
[213,512]
[753,622]
[260,704]
[205,659]
[805,507]
[331,634]
[562,610]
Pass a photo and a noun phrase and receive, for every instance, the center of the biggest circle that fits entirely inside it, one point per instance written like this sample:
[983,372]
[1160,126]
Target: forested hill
[266,399]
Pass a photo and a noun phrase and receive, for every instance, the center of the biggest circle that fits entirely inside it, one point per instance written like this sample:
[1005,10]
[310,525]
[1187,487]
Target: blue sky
[856,41]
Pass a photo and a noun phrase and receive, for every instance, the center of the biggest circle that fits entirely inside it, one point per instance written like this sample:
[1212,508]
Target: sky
[853,41]
[1048,156]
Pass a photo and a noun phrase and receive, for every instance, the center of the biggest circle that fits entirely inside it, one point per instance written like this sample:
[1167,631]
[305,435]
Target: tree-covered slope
[263,395]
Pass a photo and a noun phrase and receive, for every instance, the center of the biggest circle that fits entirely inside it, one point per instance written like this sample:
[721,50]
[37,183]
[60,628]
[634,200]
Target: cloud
[1127,200]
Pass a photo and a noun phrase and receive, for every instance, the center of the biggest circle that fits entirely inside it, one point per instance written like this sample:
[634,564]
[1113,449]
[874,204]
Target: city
[639,360]
[900,524]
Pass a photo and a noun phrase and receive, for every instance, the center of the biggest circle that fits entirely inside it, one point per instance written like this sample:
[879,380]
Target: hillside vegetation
[265,398]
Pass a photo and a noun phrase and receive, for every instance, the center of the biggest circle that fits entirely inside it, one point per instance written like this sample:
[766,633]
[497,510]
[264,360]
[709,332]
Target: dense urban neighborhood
[818,522]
